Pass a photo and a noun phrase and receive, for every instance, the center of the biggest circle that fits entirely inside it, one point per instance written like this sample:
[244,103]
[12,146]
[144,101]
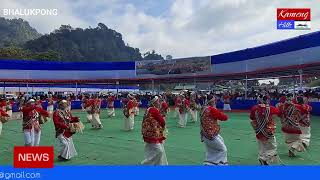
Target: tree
[152,56]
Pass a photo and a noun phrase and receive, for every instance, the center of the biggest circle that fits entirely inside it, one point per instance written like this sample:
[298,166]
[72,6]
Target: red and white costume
[164,108]
[50,106]
[137,103]
[177,102]
[305,125]
[9,106]
[30,125]
[3,116]
[184,108]
[226,103]
[264,127]
[110,106]
[62,120]
[291,115]
[153,132]
[129,115]
[194,110]
[216,150]
[87,107]
[95,105]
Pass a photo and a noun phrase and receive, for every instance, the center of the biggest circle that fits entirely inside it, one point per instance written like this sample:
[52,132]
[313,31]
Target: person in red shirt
[226,102]
[31,123]
[264,126]
[291,115]
[4,117]
[129,114]
[177,102]
[305,122]
[194,107]
[63,122]
[50,104]
[164,107]
[137,103]
[110,105]
[184,108]
[95,106]
[216,150]
[153,132]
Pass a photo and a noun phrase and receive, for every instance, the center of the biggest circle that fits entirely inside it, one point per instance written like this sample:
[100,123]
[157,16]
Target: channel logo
[33,157]
[294,18]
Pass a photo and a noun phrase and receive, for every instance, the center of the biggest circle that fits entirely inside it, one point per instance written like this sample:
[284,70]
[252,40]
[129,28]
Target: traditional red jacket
[110,101]
[226,99]
[184,106]
[153,126]
[130,105]
[177,102]
[50,101]
[209,122]
[291,115]
[164,108]
[95,105]
[262,122]
[305,118]
[3,113]
[61,120]
[31,113]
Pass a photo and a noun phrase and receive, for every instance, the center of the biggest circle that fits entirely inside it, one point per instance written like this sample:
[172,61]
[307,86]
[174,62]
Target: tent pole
[4,88]
[246,88]
[76,89]
[300,78]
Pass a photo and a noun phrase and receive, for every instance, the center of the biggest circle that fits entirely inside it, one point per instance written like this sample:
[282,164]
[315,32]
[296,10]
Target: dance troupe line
[294,113]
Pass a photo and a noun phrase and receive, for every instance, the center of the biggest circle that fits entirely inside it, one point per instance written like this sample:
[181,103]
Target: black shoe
[62,159]
[262,162]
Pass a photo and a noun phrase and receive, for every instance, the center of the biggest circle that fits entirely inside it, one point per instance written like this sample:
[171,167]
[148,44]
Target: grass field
[112,146]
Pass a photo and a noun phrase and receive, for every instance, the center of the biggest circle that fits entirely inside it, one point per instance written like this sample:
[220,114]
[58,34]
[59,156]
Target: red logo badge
[33,157]
[297,14]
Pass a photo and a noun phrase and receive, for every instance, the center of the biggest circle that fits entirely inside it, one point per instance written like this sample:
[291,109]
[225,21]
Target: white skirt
[0,127]
[96,120]
[32,137]
[183,118]
[306,135]
[226,107]
[129,122]
[268,151]
[216,151]
[294,142]
[67,150]
[50,108]
[154,154]
[194,115]
[111,112]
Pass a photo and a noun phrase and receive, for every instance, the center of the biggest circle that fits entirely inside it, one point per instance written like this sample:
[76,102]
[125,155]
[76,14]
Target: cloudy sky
[181,28]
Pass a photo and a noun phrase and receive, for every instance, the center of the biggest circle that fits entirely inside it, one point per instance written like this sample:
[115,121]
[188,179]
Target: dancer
[64,124]
[110,105]
[153,132]
[216,150]
[226,102]
[31,125]
[128,112]
[4,117]
[50,105]
[194,107]
[177,102]
[164,107]
[137,103]
[264,127]
[305,122]
[184,107]
[95,111]
[86,105]
[291,115]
